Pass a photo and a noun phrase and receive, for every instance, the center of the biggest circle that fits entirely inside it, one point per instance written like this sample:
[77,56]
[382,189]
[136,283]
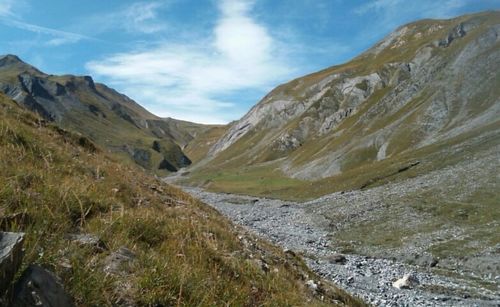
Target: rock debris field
[299,227]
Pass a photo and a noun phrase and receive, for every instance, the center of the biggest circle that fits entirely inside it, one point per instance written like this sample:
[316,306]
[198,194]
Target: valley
[380,176]
[391,160]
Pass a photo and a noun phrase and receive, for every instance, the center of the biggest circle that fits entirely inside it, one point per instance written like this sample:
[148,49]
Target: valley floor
[306,228]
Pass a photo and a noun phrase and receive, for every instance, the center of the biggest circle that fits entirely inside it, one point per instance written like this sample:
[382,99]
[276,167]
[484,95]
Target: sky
[207,61]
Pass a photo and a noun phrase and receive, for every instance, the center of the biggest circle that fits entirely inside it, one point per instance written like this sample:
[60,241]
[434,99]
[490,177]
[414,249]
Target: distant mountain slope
[198,148]
[416,100]
[109,118]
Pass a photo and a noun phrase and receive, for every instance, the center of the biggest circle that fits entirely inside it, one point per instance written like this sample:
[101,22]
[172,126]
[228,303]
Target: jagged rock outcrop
[107,117]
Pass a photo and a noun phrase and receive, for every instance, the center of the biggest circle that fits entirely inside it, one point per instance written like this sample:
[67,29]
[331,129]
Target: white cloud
[9,16]
[187,80]
[57,37]
[143,17]
[139,17]
[6,7]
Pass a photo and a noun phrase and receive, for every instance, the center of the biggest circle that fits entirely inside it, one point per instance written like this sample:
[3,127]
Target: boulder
[39,287]
[407,282]
[11,254]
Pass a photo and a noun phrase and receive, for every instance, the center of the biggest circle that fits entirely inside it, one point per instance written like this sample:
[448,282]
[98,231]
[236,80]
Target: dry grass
[59,183]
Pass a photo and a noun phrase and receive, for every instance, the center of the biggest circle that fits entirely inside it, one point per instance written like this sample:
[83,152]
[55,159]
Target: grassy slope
[111,119]
[198,148]
[187,254]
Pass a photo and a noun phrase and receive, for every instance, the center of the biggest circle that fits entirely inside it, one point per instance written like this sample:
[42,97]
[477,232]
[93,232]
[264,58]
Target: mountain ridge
[109,118]
[395,155]
[425,83]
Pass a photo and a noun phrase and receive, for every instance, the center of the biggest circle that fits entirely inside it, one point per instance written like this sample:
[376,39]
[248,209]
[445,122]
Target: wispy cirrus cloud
[10,17]
[56,37]
[376,5]
[143,17]
[193,80]
[138,17]
[7,7]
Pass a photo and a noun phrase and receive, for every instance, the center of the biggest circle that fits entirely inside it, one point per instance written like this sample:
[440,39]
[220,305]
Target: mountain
[397,152]
[423,98]
[110,119]
[117,236]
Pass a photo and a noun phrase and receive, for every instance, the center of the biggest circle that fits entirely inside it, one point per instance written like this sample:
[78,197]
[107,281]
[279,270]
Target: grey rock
[89,240]
[291,225]
[119,261]
[11,254]
[337,258]
[39,287]
[406,282]
[311,284]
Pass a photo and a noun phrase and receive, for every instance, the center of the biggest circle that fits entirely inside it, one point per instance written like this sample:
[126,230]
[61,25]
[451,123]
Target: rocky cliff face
[109,118]
[428,83]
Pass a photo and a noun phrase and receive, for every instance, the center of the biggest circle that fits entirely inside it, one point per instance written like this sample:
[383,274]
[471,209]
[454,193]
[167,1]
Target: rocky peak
[10,59]
[13,63]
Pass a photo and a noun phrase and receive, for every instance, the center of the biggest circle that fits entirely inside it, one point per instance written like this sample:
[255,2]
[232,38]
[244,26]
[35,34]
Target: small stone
[88,240]
[407,282]
[337,258]
[433,263]
[312,285]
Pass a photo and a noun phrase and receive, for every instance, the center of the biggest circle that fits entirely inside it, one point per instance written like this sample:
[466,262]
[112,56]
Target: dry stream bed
[304,228]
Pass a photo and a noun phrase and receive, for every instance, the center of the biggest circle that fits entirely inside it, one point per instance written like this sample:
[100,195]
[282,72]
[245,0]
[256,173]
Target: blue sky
[206,61]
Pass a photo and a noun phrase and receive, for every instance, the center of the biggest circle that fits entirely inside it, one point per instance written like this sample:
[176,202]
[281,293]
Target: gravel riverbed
[299,227]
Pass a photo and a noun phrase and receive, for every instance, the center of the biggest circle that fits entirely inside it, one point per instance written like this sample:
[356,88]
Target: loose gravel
[299,227]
